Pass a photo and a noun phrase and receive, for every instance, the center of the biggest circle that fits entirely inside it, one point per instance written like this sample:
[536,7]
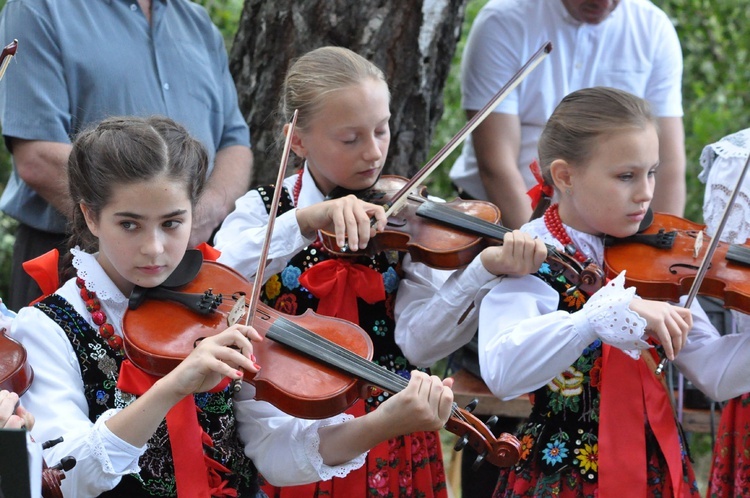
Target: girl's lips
[151,270]
[637,216]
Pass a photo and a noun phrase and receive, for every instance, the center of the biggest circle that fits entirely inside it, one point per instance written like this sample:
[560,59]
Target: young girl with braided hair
[135,183]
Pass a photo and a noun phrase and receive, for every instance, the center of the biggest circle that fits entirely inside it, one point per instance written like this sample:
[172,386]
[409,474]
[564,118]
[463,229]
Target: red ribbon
[338,283]
[44,270]
[626,398]
[210,253]
[195,474]
[541,189]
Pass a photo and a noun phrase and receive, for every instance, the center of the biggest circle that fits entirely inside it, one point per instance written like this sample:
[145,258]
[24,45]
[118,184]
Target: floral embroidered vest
[284,293]
[562,430]
[100,366]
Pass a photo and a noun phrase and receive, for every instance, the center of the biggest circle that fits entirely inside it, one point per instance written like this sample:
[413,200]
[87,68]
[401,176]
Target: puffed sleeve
[241,237]
[436,310]
[57,401]
[285,448]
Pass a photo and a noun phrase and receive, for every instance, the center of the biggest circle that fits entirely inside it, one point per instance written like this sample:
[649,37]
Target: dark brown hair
[124,150]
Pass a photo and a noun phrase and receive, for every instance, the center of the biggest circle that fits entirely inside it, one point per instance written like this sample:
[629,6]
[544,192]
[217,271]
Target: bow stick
[8,52]
[703,268]
[255,295]
[402,195]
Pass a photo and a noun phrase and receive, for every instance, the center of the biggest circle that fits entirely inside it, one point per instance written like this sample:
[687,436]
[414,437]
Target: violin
[413,230]
[16,374]
[663,259]
[319,365]
[449,235]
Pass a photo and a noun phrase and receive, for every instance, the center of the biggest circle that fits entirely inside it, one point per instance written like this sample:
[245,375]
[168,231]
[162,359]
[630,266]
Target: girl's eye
[172,224]
[128,225]
[626,176]
[350,141]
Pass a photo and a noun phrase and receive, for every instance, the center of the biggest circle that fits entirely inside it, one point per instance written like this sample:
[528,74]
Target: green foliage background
[716,87]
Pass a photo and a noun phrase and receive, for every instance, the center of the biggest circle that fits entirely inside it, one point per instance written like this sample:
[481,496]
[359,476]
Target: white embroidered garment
[722,163]
[524,341]
[56,398]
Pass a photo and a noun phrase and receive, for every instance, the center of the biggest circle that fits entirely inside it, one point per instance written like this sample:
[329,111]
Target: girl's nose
[153,244]
[372,152]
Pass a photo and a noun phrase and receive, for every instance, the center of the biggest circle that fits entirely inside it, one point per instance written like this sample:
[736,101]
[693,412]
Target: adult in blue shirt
[80,61]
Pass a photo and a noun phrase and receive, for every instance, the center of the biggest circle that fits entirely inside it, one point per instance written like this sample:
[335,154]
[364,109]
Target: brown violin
[315,366]
[418,227]
[662,261]
[16,374]
[449,235]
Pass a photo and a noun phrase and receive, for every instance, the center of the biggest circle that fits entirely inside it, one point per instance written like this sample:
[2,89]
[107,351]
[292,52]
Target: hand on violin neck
[13,415]
[348,217]
[424,405]
[520,254]
[213,359]
[666,323]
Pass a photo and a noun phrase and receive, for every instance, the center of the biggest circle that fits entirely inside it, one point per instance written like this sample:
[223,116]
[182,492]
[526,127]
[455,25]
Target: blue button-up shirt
[79,61]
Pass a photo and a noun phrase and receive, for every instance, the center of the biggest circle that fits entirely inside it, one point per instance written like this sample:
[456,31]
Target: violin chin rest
[186,271]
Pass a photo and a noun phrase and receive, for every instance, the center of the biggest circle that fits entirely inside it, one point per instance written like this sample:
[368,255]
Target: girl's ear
[91,219]
[562,174]
[296,143]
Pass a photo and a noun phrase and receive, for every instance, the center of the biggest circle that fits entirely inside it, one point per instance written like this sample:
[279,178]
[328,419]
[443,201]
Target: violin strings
[478,226]
[328,351]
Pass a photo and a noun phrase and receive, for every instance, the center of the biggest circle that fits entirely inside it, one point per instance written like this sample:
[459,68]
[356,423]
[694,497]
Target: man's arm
[228,181]
[43,166]
[497,143]
[669,195]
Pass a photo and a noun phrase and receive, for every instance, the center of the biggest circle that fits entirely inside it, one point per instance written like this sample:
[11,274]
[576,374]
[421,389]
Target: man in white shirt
[626,44]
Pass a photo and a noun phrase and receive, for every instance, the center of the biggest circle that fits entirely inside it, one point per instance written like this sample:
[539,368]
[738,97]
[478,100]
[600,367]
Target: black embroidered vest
[284,293]
[100,366]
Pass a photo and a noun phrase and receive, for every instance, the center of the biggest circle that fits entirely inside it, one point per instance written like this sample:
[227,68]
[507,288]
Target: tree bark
[412,41]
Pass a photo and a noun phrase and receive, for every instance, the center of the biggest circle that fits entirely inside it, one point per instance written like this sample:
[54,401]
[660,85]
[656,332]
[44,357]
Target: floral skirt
[730,465]
[407,466]
[529,481]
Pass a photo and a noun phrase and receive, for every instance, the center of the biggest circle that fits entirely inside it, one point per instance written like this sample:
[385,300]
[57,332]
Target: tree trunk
[413,41]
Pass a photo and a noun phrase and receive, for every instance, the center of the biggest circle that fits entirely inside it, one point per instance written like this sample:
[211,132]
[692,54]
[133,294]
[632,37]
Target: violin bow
[7,55]
[703,268]
[402,195]
[255,295]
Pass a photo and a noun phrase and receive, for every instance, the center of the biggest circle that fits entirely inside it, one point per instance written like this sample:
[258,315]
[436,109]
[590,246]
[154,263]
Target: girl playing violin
[135,183]
[601,422]
[722,164]
[414,315]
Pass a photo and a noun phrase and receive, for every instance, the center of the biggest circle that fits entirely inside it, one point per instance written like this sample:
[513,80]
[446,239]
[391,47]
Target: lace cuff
[95,442]
[613,321]
[312,450]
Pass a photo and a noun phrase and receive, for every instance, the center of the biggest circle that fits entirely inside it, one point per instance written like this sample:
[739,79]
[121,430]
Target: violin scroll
[502,452]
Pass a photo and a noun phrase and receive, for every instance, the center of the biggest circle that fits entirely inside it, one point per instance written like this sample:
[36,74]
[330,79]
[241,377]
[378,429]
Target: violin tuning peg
[461,443]
[491,422]
[472,405]
[51,443]
[478,462]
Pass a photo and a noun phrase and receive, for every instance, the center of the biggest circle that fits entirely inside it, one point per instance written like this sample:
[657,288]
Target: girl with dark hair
[135,183]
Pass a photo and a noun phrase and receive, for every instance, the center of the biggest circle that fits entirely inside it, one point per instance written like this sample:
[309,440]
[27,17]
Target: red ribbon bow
[626,397]
[44,270]
[338,283]
[541,189]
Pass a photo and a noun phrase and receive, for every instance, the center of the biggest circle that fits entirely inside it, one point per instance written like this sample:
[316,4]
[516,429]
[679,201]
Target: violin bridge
[236,312]
[698,244]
